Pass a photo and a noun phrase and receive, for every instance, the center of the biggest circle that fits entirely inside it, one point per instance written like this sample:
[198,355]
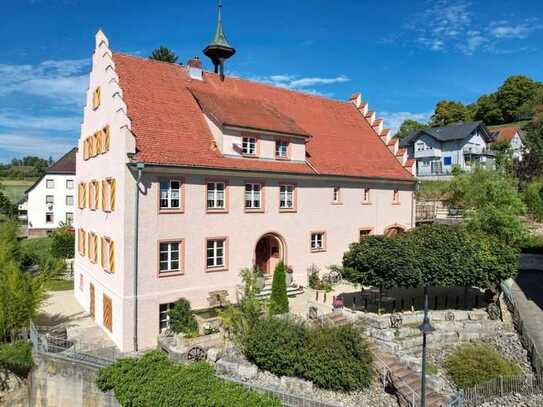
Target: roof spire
[219,50]
[220,38]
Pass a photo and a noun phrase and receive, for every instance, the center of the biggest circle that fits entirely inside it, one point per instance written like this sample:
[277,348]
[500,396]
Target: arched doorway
[269,251]
[393,230]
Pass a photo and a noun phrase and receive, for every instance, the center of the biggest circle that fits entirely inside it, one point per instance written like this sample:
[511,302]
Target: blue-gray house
[437,150]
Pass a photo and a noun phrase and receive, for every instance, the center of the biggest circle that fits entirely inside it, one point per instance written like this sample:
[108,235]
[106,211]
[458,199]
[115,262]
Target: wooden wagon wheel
[196,354]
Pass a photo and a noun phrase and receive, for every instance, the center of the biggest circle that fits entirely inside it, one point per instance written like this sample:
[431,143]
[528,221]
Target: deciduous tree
[407,127]
[448,112]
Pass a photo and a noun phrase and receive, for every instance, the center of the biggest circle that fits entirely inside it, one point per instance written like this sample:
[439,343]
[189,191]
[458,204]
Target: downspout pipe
[140,167]
[414,204]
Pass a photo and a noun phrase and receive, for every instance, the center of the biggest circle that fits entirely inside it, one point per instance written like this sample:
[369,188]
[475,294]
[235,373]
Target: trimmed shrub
[534,200]
[475,364]
[335,358]
[17,358]
[181,318]
[279,298]
[63,243]
[274,344]
[155,381]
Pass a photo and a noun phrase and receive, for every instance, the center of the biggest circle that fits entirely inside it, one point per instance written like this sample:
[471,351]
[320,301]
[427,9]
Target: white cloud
[17,119]
[504,29]
[28,144]
[305,84]
[394,120]
[448,24]
[64,81]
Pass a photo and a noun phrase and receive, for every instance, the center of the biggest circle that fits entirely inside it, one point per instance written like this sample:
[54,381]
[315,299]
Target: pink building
[185,177]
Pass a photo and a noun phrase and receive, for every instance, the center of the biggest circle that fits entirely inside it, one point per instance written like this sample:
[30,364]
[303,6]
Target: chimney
[194,68]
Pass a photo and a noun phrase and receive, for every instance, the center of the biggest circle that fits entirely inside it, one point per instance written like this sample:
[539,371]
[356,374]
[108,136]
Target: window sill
[282,158]
[287,210]
[254,210]
[166,211]
[366,203]
[249,155]
[318,250]
[173,273]
[211,210]
[396,203]
[215,269]
[336,203]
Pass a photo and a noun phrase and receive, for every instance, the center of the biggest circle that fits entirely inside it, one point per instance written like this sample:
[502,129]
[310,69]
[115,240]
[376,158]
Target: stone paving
[62,308]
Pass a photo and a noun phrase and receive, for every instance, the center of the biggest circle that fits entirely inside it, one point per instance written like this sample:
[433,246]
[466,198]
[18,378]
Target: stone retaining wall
[56,382]
[399,333]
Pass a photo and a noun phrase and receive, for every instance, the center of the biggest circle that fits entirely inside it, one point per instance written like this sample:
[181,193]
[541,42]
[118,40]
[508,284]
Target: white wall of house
[51,201]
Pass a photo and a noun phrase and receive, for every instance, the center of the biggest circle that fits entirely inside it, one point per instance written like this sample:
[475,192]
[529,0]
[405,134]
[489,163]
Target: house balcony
[477,151]
[443,172]
[428,153]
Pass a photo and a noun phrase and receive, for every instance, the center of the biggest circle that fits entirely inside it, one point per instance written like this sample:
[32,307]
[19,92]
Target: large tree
[515,92]
[492,204]
[163,54]
[532,164]
[433,255]
[487,109]
[448,112]
[407,127]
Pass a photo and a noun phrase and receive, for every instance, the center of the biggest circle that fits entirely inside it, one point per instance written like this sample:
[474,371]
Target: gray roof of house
[457,131]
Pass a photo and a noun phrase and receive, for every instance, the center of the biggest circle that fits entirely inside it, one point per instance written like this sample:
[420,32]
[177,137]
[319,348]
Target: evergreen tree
[279,298]
[163,54]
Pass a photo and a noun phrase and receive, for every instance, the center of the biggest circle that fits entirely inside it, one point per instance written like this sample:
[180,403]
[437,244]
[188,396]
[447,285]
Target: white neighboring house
[512,135]
[51,200]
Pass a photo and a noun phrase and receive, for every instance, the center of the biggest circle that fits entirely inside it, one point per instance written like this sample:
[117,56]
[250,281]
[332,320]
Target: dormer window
[248,145]
[281,149]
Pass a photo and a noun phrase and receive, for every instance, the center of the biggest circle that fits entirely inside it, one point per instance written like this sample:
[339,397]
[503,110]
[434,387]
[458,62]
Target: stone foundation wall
[58,383]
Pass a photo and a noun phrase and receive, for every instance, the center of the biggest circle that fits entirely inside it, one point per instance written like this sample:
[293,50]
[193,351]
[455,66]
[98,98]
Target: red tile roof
[65,164]
[170,128]
[506,133]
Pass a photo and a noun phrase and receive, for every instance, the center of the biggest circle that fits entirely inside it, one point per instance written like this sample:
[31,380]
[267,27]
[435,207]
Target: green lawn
[60,285]
[15,189]
[433,190]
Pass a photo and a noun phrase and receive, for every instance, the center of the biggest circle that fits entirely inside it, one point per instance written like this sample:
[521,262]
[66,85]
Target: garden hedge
[335,358]
[154,381]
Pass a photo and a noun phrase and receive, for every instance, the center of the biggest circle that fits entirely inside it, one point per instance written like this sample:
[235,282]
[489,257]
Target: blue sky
[403,56]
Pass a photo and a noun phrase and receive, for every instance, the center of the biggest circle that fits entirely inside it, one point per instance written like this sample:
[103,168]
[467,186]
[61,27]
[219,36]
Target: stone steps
[405,381]
[292,291]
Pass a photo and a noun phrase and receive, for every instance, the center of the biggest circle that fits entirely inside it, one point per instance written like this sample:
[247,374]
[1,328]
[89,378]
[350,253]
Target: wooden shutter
[96,194]
[106,139]
[95,247]
[79,196]
[112,190]
[96,98]
[108,313]
[84,194]
[111,256]
[102,252]
[85,149]
[84,243]
[104,188]
[99,142]
[92,307]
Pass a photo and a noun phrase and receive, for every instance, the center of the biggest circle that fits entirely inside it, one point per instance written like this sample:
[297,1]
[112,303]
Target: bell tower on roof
[219,49]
